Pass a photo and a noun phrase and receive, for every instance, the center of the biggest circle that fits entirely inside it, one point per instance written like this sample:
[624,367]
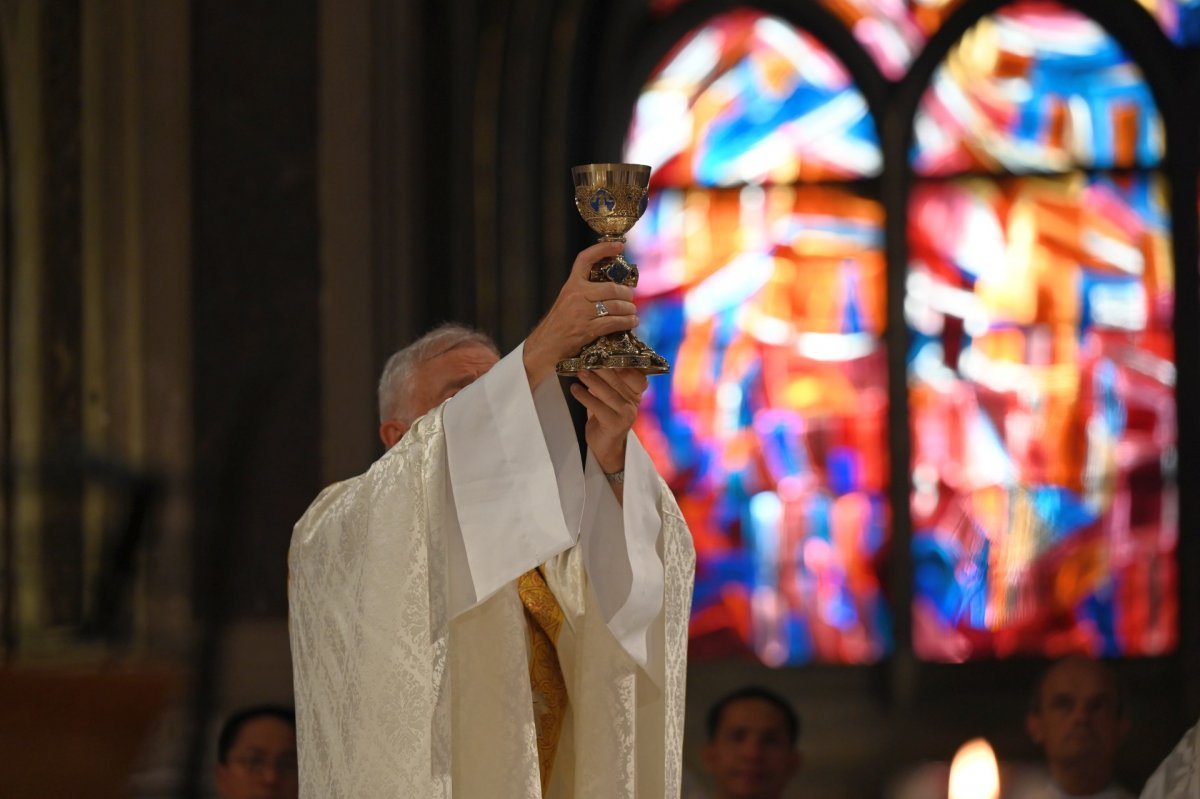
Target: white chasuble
[410,645]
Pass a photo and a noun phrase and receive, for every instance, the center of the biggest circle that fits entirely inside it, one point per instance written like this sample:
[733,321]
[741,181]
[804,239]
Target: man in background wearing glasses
[256,754]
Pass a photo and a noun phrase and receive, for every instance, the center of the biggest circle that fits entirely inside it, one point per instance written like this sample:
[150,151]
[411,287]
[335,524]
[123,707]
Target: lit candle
[974,773]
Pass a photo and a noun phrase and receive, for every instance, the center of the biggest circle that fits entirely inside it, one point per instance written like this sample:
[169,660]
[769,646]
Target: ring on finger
[601,308]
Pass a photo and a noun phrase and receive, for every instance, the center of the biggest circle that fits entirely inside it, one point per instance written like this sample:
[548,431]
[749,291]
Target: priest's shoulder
[409,452]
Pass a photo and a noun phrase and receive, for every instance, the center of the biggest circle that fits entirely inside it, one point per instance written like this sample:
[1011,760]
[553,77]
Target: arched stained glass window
[1035,88]
[750,100]
[1039,300]
[762,281]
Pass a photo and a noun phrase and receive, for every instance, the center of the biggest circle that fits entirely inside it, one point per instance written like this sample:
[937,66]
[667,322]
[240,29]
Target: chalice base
[618,351]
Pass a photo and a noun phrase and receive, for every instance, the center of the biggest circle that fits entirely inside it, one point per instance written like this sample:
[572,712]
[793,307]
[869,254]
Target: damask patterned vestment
[410,642]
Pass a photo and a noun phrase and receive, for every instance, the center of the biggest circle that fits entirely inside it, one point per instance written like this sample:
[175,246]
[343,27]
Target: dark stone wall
[61,332]
[255,296]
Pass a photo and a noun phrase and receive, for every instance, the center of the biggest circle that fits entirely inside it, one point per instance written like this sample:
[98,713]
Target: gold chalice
[611,198]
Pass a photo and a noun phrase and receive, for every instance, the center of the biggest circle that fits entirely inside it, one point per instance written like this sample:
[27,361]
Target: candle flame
[974,773]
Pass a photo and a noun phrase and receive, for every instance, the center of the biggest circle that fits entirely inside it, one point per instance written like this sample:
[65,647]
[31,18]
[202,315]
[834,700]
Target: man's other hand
[611,397]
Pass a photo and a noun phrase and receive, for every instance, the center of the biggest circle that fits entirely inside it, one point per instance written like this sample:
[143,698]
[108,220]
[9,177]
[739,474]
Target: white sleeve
[621,549]
[503,471]
[521,496]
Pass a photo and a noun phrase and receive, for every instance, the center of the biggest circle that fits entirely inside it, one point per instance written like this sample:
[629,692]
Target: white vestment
[409,641]
[1178,776]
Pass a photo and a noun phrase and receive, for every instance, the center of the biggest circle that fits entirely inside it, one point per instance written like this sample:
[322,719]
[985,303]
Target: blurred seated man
[751,750]
[1077,717]
[256,754]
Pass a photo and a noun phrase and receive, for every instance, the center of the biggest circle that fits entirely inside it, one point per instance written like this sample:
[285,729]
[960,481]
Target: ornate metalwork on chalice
[611,198]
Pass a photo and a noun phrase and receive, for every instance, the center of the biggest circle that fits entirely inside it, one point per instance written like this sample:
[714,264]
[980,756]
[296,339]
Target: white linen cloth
[409,642]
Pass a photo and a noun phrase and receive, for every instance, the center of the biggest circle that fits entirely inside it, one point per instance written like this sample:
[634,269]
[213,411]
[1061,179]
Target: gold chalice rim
[586,174]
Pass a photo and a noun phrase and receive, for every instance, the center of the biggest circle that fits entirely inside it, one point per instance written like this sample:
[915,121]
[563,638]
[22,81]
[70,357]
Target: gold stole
[544,617]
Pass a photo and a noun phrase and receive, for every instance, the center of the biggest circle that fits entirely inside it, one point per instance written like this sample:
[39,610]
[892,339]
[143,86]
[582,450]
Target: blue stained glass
[1060,511]
[756,116]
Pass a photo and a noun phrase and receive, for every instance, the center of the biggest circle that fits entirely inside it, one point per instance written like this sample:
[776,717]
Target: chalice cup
[611,198]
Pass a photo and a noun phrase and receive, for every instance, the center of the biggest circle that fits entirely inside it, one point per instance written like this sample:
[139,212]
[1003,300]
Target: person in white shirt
[480,614]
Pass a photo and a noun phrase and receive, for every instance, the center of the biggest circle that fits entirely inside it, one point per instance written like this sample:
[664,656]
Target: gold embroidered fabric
[545,618]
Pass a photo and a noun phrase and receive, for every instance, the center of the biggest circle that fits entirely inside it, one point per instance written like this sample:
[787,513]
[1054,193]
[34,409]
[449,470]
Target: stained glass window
[1041,373]
[1038,301]
[762,281]
[1036,88]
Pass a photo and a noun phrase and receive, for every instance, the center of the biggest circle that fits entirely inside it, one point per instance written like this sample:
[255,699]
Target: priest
[480,614]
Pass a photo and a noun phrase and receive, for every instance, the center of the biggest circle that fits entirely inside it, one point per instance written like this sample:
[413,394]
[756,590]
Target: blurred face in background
[751,754]
[261,763]
[1079,720]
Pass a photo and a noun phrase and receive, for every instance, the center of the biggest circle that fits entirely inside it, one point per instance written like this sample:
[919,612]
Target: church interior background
[926,271]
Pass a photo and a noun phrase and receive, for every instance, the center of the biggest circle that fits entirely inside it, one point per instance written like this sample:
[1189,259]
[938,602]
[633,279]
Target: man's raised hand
[583,312]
